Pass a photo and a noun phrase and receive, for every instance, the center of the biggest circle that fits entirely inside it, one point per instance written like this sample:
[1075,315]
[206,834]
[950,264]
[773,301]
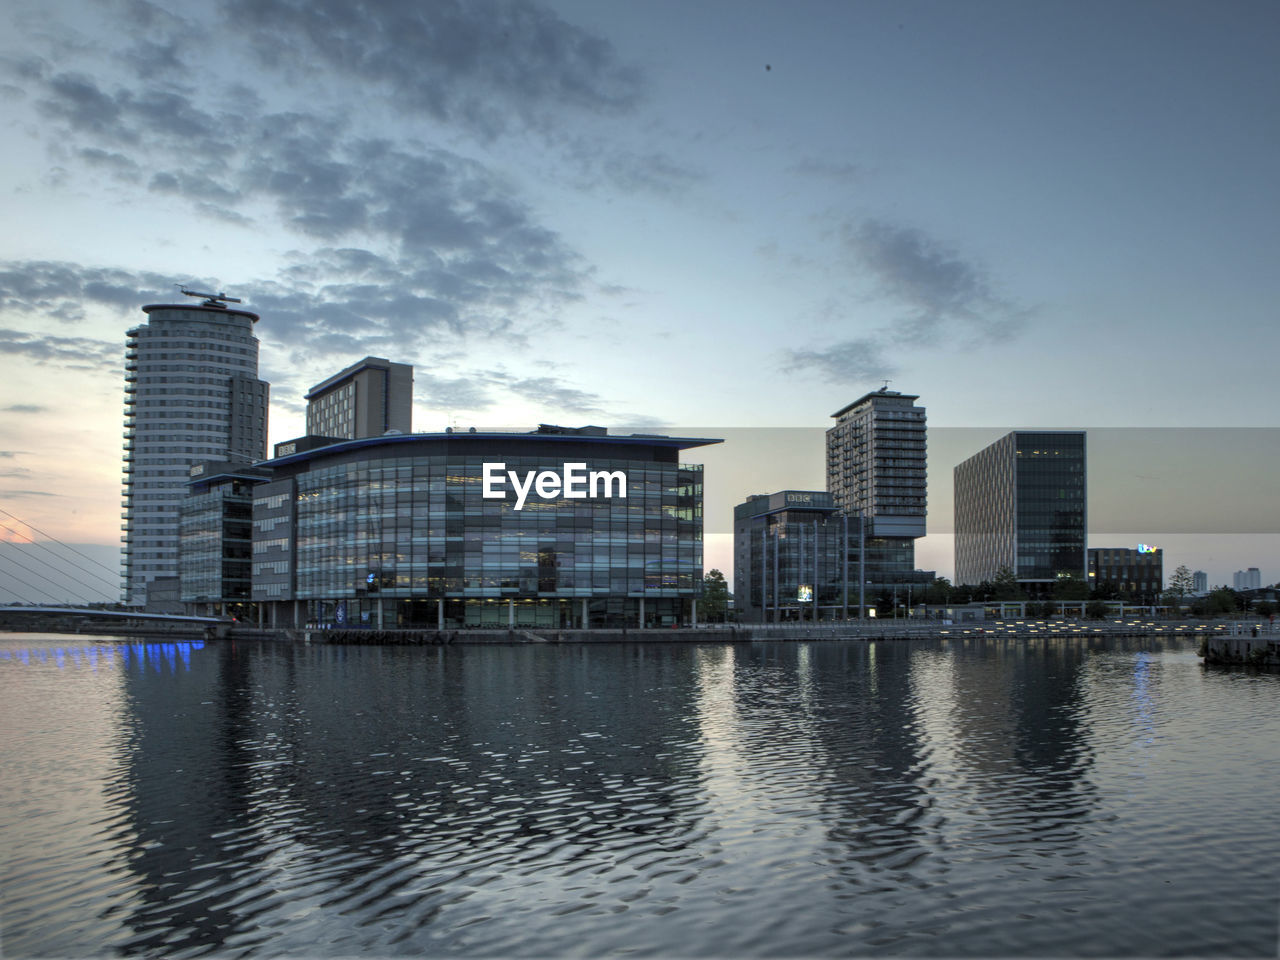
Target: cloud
[851,361]
[828,170]
[73,352]
[60,290]
[23,408]
[449,394]
[22,494]
[481,64]
[553,393]
[443,241]
[941,300]
[940,291]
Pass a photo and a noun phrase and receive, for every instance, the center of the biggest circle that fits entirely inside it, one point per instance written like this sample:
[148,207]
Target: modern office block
[215,547]
[797,558]
[365,400]
[1136,573]
[1199,582]
[192,394]
[1021,504]
[876,463]
[432,530]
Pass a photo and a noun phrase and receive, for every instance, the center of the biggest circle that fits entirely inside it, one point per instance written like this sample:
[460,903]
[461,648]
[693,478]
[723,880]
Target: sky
[715,219]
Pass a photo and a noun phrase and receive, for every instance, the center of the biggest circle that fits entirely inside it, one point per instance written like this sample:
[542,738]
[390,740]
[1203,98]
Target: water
[999,798]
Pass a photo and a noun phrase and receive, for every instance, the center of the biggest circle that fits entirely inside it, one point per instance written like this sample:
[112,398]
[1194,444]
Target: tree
[1223,600]
[1006,586]
[1182,582]
[715,597]
[1071,587]
[939,592]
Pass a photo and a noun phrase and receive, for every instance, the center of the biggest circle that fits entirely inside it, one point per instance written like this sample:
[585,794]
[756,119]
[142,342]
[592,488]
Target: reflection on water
[979,797]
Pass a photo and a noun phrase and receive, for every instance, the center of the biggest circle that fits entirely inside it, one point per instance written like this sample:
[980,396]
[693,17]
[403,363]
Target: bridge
[116,614]
[64,619]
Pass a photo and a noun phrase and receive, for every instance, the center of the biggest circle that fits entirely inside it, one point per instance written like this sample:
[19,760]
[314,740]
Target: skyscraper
[191,394]
[365,400]
[876,462]
[1021,503]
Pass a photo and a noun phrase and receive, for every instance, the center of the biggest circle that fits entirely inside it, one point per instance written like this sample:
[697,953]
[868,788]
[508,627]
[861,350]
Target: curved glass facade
[383,527]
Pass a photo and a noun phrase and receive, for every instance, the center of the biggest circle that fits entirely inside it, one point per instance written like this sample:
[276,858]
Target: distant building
[192,393]
[1250,579]
[1135,573]
[876,463]
[365,400]
[1199,582]
[797,558]
[1021,503]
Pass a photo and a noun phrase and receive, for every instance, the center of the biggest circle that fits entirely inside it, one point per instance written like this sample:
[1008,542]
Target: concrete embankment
[889,630]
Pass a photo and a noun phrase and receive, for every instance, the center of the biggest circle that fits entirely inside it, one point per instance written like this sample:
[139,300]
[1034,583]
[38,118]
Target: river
[999,797]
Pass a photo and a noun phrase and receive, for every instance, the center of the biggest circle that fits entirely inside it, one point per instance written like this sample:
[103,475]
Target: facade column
[440,614]
[586,617]
[642,613]
[764,574]
[844,567]
[693,616]
[379,610]
[511,613]
[295,613]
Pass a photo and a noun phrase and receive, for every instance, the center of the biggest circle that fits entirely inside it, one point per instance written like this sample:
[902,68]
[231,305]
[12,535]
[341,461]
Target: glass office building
[397,531]
[215,538]
[796,557]
[1021,503]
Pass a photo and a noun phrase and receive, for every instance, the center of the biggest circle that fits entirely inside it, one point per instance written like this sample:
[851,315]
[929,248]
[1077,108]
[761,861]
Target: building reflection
[270,781]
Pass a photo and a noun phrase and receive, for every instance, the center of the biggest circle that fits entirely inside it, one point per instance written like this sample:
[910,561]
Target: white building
[191,393]
[1250,579]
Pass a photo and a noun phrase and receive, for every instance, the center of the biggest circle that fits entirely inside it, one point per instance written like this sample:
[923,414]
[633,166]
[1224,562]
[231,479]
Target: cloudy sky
[718,215]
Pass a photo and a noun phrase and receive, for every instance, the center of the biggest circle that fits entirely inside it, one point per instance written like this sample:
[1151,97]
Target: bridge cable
[115,584]
[60,580]
[34,587]
[114,573]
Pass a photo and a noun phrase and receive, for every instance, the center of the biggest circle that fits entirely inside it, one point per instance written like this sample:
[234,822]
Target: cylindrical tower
[192,393]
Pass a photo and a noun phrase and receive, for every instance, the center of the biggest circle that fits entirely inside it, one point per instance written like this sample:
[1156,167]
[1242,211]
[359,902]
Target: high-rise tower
[876,462]
[191,394]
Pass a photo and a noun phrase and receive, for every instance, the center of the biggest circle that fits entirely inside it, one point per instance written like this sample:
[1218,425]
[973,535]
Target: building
[1250,579]
[192,394]
[1021,504]
[797,558]
[1134,573]
[1200,582]
[365,400]
[876,463]
[560,527]
[215,546]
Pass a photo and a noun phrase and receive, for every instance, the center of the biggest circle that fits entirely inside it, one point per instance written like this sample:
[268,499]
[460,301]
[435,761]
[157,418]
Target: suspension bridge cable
[114,573]
[115,584]
[79,586]
[32,586]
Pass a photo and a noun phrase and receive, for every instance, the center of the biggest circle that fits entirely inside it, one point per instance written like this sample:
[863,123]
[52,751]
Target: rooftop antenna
[219,300]
[882,389]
